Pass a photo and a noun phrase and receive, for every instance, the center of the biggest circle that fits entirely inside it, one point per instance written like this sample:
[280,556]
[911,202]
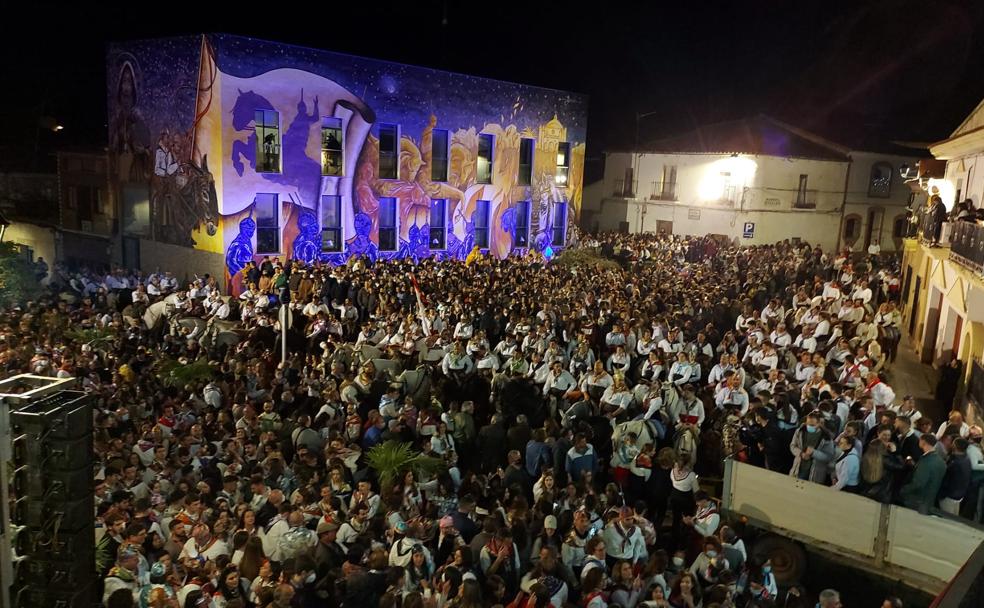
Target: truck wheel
[788,558]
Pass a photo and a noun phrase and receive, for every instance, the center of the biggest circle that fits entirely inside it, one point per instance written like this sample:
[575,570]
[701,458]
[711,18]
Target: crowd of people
[516,432]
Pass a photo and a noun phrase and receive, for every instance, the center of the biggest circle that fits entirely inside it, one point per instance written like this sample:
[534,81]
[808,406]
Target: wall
[963,297]
[202,194]
[888,209]
[762,190]
[184,262]
[41,240]
[79,173]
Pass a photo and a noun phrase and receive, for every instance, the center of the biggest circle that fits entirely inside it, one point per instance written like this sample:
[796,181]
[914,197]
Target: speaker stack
[52,501]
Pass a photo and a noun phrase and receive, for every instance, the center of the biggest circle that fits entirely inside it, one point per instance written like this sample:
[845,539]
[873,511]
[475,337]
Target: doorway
[915,308]
[873,233]
[932,330]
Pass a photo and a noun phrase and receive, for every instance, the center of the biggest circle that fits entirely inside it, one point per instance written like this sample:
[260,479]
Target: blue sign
[749,230]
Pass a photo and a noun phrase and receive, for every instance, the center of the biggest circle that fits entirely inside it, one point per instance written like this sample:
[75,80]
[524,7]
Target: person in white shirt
[616,399]
[780,337]
[671,343]
[619,361]
[907,408]
[456,363]
[717,372]
[680,371]
[881,394]
[463,329]
[806,341]
[862,292]
[203,546]
[955,419]
[732,393]
[624,539]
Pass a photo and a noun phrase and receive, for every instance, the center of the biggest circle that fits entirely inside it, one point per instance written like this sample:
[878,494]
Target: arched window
[900,228]
[880,184]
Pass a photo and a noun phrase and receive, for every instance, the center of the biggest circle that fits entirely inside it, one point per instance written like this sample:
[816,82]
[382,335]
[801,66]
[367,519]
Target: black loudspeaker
[54,501]
[36,596]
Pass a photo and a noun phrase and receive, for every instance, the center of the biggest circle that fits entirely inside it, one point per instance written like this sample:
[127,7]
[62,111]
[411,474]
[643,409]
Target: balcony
[967,244]
[623,189]
[663,191]
[805,199]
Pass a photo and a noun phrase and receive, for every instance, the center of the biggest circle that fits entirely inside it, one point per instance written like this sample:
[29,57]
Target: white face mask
[678,562]
[310,578]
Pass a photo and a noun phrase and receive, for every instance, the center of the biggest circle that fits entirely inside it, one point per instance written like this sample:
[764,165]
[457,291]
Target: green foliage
[18,282]
[392,459]
[173,372]
[90,336]
[584,258]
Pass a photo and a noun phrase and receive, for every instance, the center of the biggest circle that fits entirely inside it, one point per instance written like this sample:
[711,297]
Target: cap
[401,527]
[550,522]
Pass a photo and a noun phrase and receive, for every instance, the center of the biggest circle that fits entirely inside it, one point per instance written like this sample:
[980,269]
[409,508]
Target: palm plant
[90,336]
[392,459]
[174,372]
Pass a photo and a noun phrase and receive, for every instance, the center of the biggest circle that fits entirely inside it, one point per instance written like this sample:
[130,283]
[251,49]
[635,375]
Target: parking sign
[749,230]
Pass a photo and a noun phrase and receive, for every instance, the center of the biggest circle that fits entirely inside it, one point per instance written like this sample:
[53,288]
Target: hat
[550,522]
[326,526]
[401,527]
[158,570]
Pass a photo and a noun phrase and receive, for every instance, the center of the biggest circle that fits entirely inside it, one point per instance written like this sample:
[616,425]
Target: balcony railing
[805,199]
[622,189]
[967,244]
[663,191]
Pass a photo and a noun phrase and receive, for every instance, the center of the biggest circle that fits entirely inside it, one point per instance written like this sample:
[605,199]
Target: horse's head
[244,110]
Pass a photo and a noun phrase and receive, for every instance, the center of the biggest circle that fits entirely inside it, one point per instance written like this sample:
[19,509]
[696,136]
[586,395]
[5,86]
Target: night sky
[857,72]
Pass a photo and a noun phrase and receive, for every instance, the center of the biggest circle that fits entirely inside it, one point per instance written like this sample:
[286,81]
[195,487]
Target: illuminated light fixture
[560,159]
[734,171]
[548,252]
[944,189]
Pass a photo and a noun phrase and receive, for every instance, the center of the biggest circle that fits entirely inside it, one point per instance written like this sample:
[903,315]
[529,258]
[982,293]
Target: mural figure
[240,250]
[300,171]
[361,244]
[129,135]
[306,243]
[244,113]
[184,201]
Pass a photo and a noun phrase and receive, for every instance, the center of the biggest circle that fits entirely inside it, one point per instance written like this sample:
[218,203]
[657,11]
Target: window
[267,223]
[389,152]
[86,200]
[668,187]
[331,223]
[438,224]
[957,198]
[900,227]
[563,163]
[880,185]
[628,187]
[521,233]
[480,217]
[486,144]
[331,146]
[439,156]
[267,141]
[801,193]
[526,161]
[559,225]
[852,228]
[387,224]
[136,210]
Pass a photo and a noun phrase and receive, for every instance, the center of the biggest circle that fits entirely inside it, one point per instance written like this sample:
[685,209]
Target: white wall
[967,172]
[41,240]
[887,209]
[763,191]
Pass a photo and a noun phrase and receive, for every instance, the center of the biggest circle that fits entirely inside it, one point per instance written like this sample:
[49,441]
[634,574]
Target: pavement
[909,376]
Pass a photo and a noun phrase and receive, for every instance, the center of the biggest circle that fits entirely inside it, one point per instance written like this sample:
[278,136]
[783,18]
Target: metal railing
[805,199]
[967,245]
[663,191]
[622,189]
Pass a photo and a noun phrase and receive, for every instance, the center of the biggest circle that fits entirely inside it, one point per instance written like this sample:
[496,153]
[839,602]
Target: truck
[795,521]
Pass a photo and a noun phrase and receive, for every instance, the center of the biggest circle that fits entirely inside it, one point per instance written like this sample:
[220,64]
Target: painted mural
[183,118]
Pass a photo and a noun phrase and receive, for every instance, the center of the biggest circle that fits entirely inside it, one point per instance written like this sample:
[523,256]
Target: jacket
[920,493]
[822,458]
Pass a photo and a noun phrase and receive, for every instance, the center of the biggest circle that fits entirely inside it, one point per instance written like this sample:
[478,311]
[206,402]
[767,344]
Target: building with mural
[225,149]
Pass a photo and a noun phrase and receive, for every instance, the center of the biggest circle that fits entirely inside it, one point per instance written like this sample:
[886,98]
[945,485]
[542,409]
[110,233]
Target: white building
[758,181]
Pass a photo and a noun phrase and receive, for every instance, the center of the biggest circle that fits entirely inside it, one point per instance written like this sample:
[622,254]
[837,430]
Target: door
[873,233]
[957,331]
[664,227]
[932,330]
[915,308]
[131,252]
[623,227]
